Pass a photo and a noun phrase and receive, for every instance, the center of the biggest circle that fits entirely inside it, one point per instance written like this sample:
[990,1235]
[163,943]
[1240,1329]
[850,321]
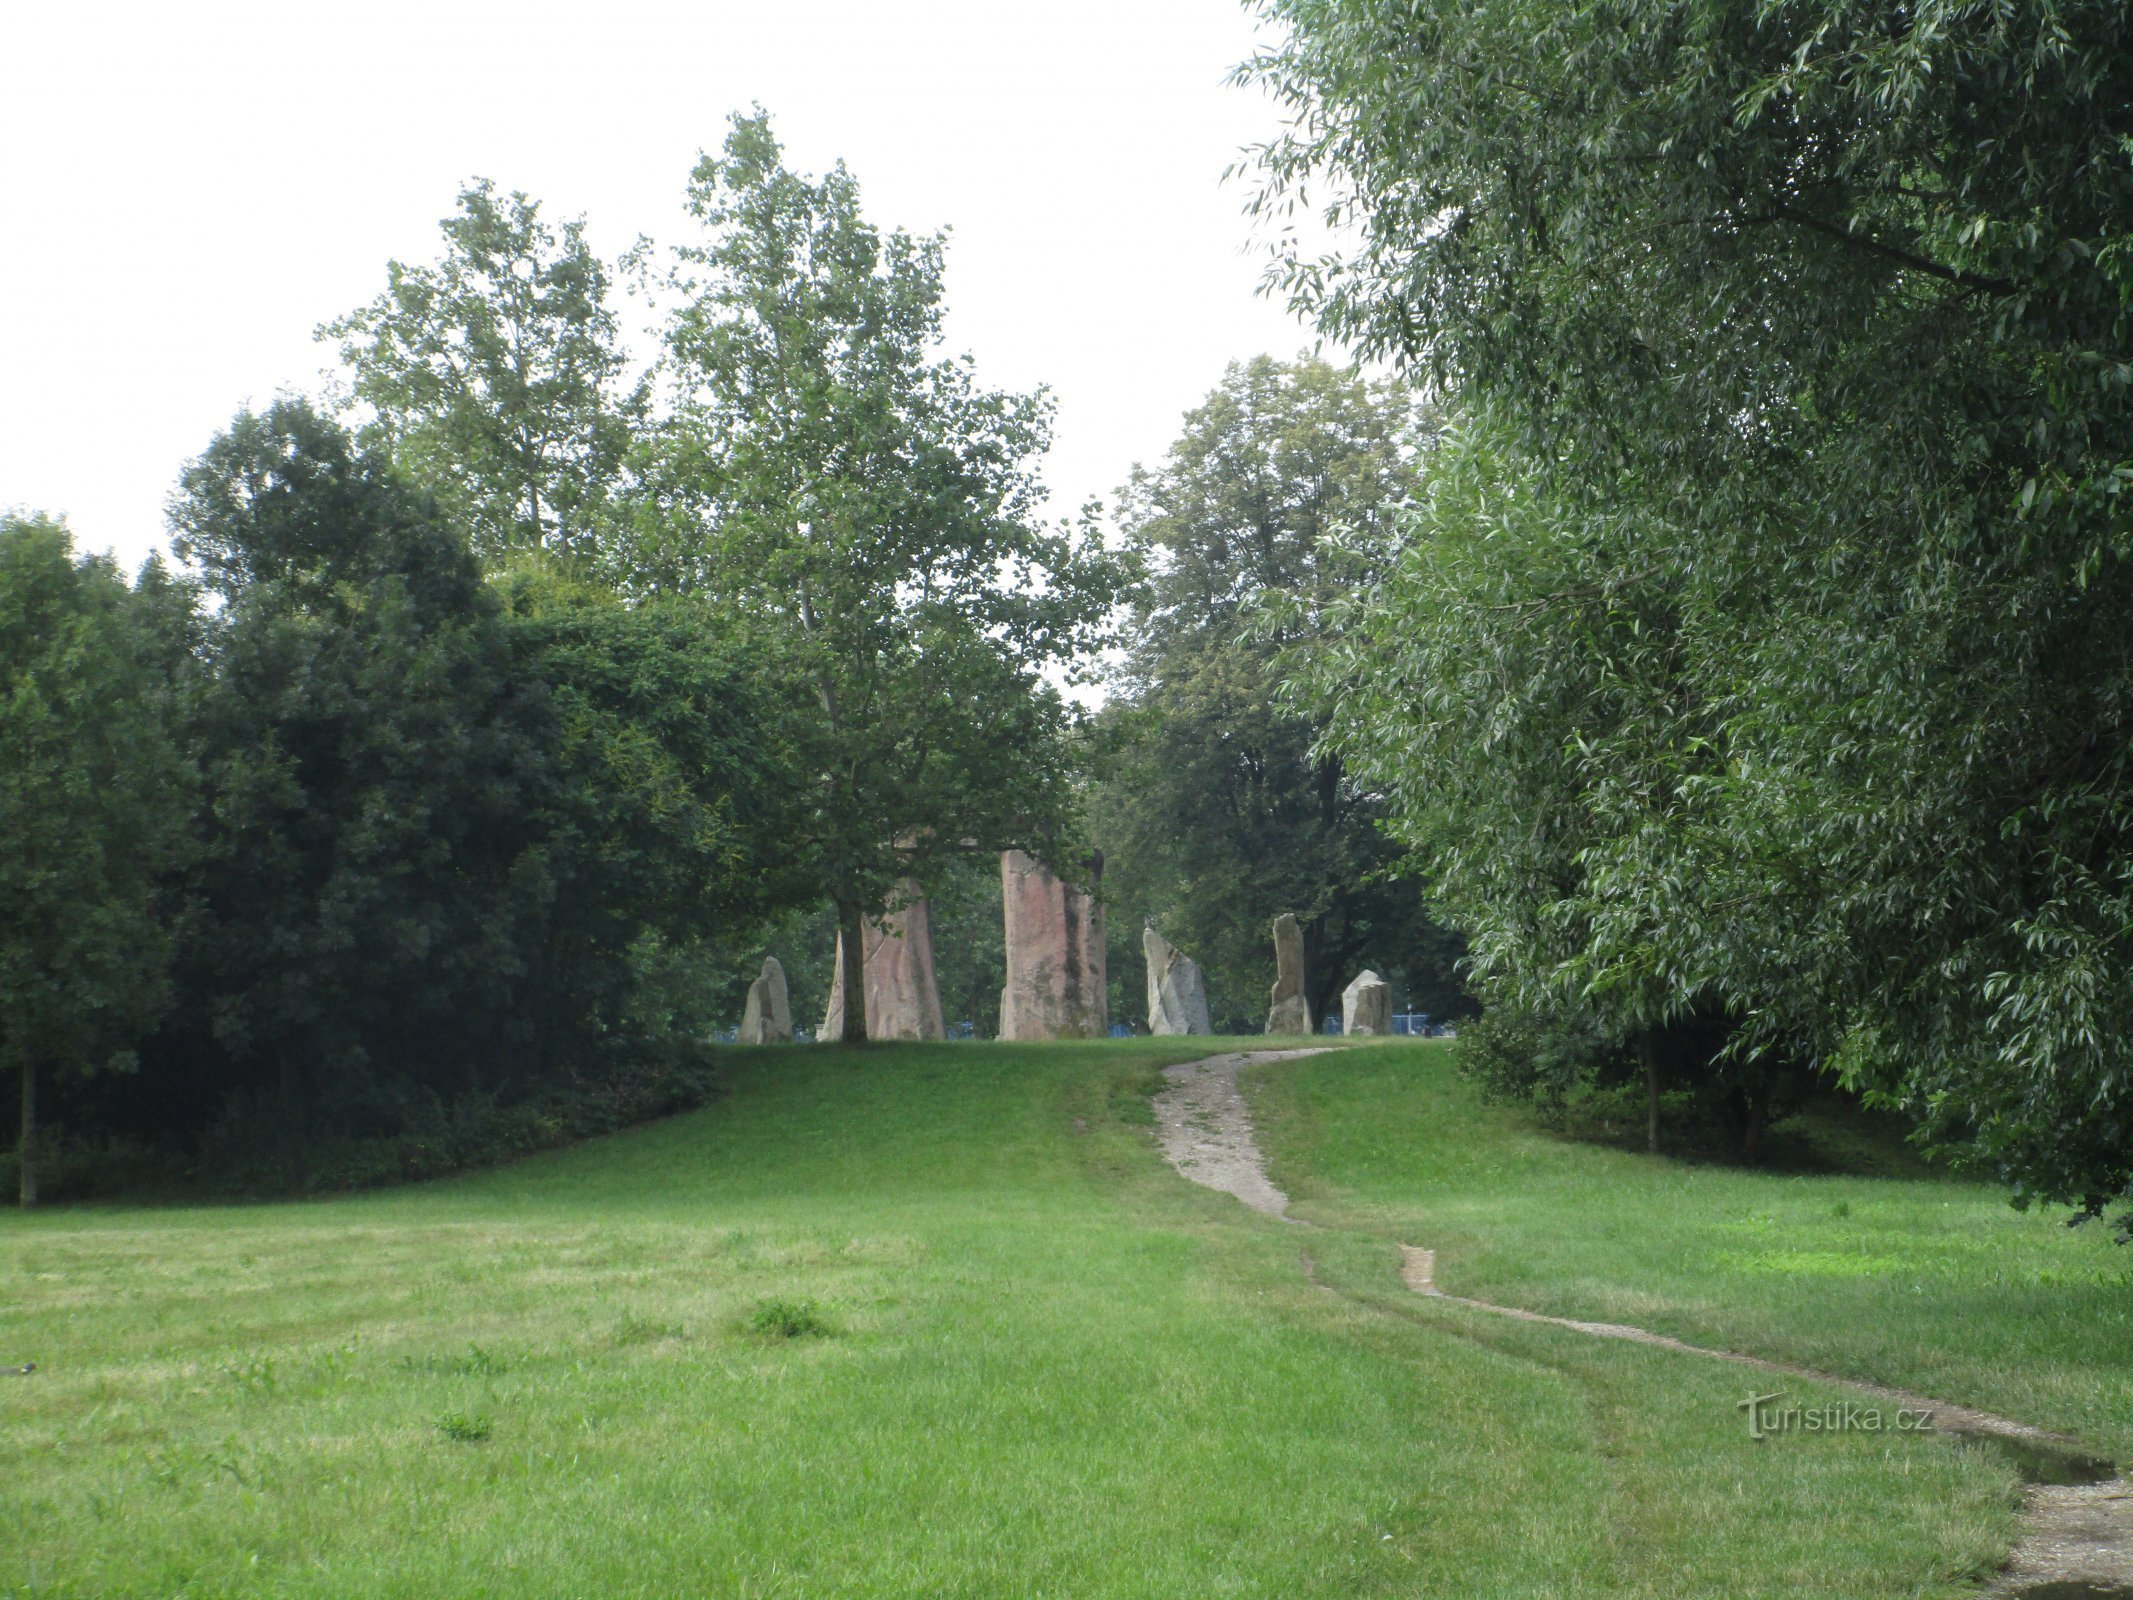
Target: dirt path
[2077,1525]
[1207,1131]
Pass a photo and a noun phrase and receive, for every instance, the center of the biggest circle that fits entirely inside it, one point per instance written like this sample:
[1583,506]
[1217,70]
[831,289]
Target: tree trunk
[852,943]
[1649,1049]
[29,1136]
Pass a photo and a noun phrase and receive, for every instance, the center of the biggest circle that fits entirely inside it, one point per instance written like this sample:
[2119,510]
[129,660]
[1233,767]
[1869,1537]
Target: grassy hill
[938,1320]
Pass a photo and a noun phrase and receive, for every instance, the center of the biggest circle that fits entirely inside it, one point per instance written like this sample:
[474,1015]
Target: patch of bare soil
[2077,1524]
[1207,1131]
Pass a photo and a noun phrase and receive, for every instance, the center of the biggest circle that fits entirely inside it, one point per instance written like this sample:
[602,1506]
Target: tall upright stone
[1366,1006]
[1177,994]
[767,1018]
[1055,954]
[902,999]
[1289,1012]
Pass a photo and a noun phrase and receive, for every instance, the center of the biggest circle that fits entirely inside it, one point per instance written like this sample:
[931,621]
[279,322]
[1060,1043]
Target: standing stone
[903,1001]
[1055,955]
[1366,1006]
[1290,1013]
[1177,994]
[768,1016]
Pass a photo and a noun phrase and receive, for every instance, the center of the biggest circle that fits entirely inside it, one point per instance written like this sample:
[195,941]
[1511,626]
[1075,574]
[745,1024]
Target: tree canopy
[1775,594]
[865,513]
[494,378]
[450,826]
[1221,811]
[96,796]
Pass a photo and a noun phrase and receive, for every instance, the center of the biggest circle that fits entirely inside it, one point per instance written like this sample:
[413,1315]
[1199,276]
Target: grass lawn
[1049,1367]
[1929,1284]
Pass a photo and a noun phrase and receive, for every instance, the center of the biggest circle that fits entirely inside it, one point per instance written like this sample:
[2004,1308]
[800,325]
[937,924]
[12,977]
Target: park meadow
[678,932]
[939,1320]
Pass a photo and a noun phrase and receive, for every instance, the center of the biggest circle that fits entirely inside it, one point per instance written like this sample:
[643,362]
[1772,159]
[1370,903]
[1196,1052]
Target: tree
[1802,332]
[864,513]
[494,379]
[95,797]
[662,833]
[374,770]
[1516,684]
[446,818]
[1223,810]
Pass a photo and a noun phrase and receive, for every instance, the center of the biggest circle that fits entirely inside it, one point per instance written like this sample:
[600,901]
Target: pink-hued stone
[903,1001]
[1055,956]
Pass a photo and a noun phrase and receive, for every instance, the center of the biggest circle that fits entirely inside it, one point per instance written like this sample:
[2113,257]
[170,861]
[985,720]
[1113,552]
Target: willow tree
[1800,336]
[866,513]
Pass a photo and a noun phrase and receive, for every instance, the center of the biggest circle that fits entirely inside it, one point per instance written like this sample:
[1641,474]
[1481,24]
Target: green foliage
[346,1136]
[1761,648]
[375,774]
[863,511]
[664,835]
[1221,810]
[454,833]
[462,1427]
[493,378]
[783,1318]
[969,956]
[1523,1055]
[95,796]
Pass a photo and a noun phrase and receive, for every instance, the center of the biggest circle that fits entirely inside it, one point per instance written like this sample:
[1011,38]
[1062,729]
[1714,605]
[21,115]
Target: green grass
[937,1320]
[1927,1283]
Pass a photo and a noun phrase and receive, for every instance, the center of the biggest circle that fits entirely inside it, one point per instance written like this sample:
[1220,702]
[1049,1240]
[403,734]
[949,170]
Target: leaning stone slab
[768,1016]
[1055,955]
[1177,994]
[903,1000]
[1366,1006]
[1288,1012]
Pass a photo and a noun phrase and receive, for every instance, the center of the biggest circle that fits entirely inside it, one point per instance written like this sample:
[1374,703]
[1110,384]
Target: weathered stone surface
[1177,994]
[903,1001]
[768,1016]
[1366,1006]
[1289,1012]
[1055,955]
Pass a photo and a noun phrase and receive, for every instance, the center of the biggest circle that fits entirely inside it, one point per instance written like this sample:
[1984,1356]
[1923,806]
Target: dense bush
[267,1142]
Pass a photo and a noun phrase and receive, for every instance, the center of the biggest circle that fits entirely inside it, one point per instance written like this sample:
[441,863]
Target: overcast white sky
[188,190]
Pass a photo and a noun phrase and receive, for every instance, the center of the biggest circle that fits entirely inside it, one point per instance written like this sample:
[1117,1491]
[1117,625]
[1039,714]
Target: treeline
[1751,683]
[330,858]
[493,723]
